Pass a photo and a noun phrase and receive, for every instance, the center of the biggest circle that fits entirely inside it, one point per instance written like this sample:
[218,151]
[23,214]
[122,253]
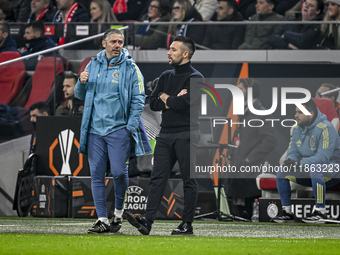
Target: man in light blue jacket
[113,89]
[312,160]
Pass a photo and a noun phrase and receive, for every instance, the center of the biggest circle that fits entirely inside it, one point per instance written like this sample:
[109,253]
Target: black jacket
[225,36]
[303,36]
[36,45]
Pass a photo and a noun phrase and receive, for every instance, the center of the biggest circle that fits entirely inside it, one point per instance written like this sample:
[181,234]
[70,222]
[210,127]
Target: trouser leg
[118,144]
[164,160]
[97,156]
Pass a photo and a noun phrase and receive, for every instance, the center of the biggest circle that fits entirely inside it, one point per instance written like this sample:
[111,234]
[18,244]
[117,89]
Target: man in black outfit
[172,96]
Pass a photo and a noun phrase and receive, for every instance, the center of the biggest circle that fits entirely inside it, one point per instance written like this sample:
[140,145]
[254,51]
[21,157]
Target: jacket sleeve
[292,152]
[157,104]
[326,140]
[80,88]
[276,40]
[303,40]
[154,40]
[248,36]
[137,99]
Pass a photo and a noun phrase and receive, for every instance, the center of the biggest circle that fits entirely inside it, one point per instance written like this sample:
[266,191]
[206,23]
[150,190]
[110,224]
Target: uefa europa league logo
[66,141]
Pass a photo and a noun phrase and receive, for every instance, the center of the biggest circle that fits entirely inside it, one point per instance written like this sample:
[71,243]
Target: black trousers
[169,149]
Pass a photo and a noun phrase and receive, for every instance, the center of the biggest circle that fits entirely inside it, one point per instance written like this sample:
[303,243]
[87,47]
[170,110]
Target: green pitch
[68,236]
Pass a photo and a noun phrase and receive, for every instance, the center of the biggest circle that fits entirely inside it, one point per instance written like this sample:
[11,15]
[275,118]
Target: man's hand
[290,163]
[164,97]
[183,92]
[84,76]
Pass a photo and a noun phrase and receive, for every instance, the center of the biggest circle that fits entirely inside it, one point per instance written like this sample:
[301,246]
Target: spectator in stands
[331,32]
[70,11]
[253,146]
[41,10]
[22,10]
[128,10]
[37,109]
[246,8]
[36,41]
[313,151]
[284,5]
[101,12]
[206,8]
[225,36]
[72,105]
[154,36]
[182,10]
[295,11]
[300,36]
[6,11]
[257,36]
[7,43]
[332,96]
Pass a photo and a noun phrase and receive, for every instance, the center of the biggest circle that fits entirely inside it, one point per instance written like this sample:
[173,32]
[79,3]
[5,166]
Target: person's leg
[164,160]
[97,155]
[283,187]
[186,155]
[118,144]
[319,189]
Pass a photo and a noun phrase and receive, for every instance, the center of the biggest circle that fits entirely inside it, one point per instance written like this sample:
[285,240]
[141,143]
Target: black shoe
[183,229]
[139,222]
[116,224]
[316,217]
[99,227]
[284,218]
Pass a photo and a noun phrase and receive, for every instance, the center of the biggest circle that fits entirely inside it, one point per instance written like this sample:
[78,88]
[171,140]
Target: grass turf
[68,236]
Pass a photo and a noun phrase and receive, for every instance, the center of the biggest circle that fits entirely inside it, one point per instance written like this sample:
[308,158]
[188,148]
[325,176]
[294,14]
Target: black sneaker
[139,222]
[183,229]
[284,218]
[99,227]
[116,224]
[316,217]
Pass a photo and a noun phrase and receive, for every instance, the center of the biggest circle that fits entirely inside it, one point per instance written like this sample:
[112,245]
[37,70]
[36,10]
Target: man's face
[113,45]
[64,5]
[35,113]
[68,87]
[302,119]
[223,10]
[262,7]
[321,90]
[309,10]
[176,54]
[37,6]
[30,34]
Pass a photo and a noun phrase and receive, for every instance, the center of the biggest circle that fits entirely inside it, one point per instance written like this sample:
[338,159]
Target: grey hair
[110,32]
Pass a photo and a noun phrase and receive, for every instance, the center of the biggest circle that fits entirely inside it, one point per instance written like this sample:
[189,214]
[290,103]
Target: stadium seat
[12,77]
[40,87]
[83,64]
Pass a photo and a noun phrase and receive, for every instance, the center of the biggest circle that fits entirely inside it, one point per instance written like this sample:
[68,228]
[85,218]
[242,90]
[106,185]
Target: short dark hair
[331,87]
[5,27]
[251,82]
[110,32]
[164,6]
[231,4]
[41,106]
[71,75]
[271,2]
[188,43]
[321,5]
[37,26]
[311,106]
